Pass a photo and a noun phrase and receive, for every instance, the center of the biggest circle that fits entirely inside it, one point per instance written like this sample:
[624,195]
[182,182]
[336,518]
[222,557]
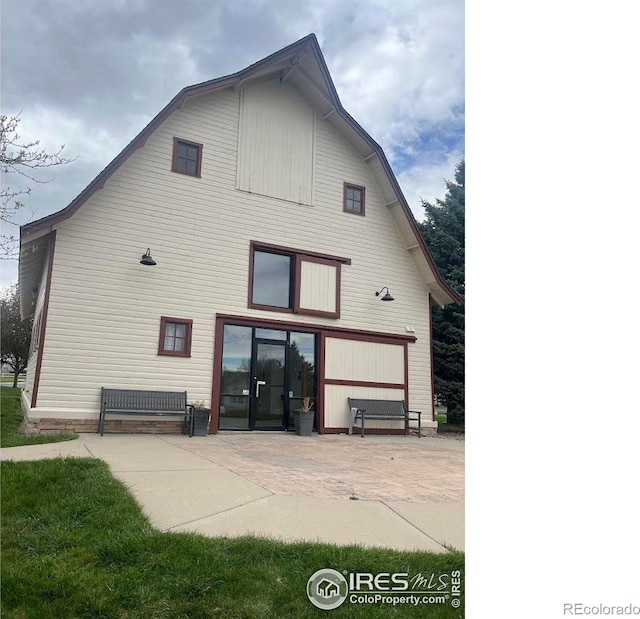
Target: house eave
[33,254]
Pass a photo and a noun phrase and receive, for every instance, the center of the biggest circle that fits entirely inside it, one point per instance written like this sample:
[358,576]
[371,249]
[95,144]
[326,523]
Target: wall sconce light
[387,296]
[147,259]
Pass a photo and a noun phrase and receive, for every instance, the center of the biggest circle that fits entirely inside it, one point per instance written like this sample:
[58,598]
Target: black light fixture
[387,296]
[147,259]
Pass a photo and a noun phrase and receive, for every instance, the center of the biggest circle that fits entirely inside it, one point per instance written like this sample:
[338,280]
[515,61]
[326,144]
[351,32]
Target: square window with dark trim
[175,336]
[353,199]
[187,157]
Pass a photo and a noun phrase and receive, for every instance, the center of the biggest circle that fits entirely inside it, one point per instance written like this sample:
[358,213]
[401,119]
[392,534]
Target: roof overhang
[33,255]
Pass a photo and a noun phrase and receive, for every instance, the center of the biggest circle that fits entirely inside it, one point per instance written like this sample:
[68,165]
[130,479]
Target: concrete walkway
[381,491]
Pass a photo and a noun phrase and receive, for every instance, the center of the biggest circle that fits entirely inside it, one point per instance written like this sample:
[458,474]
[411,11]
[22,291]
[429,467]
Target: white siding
[105,307]
[336,408]
[318,286]
[364,361]
[275,155]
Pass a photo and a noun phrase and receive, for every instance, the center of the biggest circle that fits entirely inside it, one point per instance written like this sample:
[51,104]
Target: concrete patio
[381,491]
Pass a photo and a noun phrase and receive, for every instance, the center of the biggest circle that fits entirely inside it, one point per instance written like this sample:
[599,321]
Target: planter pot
[201,424]
[303,423]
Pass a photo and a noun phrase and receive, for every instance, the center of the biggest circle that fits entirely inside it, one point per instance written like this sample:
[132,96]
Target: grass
[10,419]
[75,544]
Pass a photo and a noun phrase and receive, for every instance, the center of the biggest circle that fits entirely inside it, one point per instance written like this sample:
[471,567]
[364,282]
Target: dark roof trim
[229,80]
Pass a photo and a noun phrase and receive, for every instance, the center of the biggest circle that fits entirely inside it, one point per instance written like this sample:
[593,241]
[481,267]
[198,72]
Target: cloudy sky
[92,74]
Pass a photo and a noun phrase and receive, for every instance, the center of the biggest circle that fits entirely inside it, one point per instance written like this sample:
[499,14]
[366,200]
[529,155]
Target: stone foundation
[123,426]
[150,426]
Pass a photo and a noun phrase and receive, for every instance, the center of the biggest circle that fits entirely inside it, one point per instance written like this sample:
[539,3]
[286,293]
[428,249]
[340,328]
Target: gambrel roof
[302,65]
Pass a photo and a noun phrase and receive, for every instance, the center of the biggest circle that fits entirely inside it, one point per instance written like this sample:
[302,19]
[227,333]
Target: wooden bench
[381,409]
[137,402]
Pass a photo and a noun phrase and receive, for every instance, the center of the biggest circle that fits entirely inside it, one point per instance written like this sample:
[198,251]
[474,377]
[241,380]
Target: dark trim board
[363,383]
[342,332]
[217,377]
[320,382]
[433,384]
[298,252]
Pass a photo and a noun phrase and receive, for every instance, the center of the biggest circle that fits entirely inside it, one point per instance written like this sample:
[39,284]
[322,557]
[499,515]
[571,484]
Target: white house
[274,219]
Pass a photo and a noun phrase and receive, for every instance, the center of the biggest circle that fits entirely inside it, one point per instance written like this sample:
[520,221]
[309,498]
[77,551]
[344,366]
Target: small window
[353,199]
[187,157]
[175,337]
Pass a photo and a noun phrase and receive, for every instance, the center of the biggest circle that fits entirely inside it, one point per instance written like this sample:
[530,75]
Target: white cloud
[403,78]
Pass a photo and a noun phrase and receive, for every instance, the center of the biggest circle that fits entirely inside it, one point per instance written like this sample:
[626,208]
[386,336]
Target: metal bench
[137,402]
[381,409]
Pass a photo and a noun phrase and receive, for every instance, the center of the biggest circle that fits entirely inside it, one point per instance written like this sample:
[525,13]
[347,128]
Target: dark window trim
[298,256]
[283,249]
[174,159]
[344,198]
[345,333]
[187,344]
[253,247]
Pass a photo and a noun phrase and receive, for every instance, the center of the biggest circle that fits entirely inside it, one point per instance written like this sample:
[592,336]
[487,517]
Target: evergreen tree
[443,231]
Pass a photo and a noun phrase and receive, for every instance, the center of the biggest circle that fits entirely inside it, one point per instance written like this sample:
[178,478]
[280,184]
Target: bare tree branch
[23,158]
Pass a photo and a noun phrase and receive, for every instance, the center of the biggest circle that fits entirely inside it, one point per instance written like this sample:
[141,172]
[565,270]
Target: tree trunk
[16,373]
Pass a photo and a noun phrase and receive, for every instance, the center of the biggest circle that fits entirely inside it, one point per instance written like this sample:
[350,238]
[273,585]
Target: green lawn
[75,544]
[10,419]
